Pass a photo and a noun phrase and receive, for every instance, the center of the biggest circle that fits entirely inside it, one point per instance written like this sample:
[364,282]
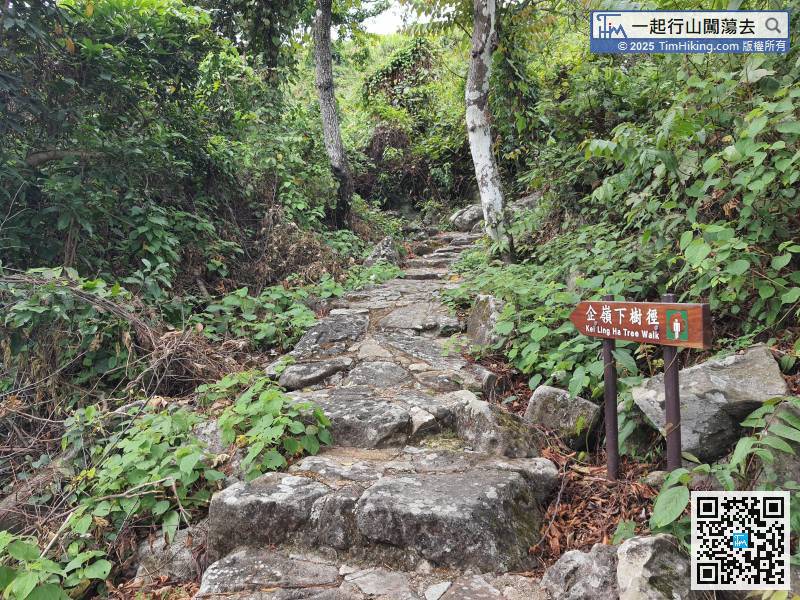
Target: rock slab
[583,575]
[483,317]
[572,419]
[715,397]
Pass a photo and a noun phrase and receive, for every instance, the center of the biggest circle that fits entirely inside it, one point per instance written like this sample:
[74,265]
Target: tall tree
[330,118]
[478,117]
[484,15]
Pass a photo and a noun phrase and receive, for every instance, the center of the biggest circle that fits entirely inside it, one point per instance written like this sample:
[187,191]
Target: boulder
[384,251]
[572,419]
[488,428]
[299,375]
[715,397]
[482,319]
[465,219]
[529,202]
[175,560]
[583,575]
[653,568]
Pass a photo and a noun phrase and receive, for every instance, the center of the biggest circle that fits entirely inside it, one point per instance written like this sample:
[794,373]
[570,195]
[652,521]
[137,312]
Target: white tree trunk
[330,119]
[484,41]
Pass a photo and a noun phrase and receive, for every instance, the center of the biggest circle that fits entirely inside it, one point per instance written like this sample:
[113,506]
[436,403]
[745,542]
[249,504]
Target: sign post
[665,323]
[610,400]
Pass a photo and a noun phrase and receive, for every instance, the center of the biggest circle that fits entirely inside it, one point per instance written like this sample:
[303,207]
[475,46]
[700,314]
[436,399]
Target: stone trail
[429,493]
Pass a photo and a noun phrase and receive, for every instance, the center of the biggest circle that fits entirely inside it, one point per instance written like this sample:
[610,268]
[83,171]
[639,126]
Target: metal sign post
[665,323]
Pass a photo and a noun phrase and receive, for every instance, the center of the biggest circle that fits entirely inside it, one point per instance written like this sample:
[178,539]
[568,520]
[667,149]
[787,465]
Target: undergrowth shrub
[147,468]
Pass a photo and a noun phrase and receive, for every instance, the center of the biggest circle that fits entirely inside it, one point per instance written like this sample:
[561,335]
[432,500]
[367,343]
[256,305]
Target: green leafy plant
[777,429]
[268,423]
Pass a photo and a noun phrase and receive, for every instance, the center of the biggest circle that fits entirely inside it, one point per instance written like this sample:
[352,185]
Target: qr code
[740,540]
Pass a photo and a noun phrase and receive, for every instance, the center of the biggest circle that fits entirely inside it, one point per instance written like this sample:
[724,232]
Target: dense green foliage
[657,173]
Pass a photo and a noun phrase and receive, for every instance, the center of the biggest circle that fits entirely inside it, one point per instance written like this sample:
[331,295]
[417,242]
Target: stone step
[425,273]
[446,252]
[394,507]
[428,263]
[264,574]
[420,317]
[380,416]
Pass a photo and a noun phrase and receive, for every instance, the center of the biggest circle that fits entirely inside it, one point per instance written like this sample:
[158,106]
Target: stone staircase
[429,492]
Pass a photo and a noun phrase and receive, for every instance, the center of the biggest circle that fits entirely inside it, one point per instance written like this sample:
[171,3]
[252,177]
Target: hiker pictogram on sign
[678,321]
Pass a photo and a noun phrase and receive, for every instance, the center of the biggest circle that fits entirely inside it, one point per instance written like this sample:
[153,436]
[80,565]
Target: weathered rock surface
[378,374]
[428,263]
[384,251]
[583,575]
[653,568]
[465,219]
[421,316]
[424,273]
[572,419]
[450,508]
[360,417]
[264,511]
[488,428]
[453,521]
[330,336]
[482,319]
[715,397]
[471,587]
[176,560]
[265,574]
[299,375]
[260,574]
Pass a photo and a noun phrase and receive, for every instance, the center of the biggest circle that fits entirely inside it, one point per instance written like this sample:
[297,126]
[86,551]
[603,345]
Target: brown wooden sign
[663,323]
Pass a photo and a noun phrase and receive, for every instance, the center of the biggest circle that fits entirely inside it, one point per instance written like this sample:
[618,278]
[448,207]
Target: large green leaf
[669,505]
[697,251]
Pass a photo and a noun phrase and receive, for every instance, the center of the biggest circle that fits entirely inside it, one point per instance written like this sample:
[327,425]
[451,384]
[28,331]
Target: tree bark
[479,131]
[330,119]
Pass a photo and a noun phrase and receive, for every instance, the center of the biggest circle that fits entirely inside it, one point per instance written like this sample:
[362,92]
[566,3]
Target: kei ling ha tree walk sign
[665,323]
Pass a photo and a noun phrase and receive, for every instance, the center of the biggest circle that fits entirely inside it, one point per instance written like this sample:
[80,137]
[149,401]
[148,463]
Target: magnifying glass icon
[772,25]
